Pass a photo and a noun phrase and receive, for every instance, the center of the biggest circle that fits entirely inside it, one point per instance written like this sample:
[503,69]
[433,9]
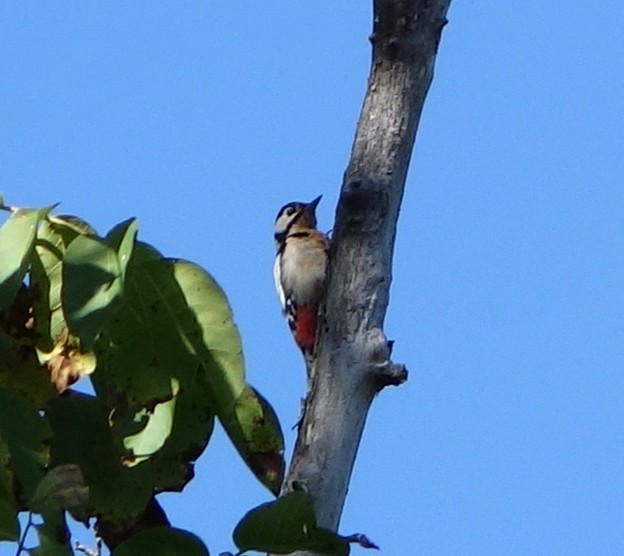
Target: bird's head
[295,214]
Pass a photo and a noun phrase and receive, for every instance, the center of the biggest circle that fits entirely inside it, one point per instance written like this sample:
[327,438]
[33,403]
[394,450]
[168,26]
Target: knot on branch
[400,25]
[384,372]
[390,374]
[363,203]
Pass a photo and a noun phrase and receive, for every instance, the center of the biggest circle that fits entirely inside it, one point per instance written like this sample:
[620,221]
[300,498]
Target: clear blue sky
[203,118]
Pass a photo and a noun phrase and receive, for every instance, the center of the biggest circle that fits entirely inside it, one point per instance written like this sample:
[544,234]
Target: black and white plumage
[300,269]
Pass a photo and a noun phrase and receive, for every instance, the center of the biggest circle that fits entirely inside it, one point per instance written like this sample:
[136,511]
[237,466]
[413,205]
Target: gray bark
[352,359]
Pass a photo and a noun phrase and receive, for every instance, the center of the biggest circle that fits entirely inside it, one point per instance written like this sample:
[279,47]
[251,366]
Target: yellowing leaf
[67,363]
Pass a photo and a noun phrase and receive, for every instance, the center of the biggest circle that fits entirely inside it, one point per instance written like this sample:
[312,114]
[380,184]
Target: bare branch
[353,356]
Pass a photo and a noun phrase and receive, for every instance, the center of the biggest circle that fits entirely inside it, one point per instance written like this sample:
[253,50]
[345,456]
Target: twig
[20,546]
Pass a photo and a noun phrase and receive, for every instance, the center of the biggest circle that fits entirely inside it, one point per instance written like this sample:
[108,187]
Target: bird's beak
[311,206]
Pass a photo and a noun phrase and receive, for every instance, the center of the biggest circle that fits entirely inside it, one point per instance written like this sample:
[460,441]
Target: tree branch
[353,356]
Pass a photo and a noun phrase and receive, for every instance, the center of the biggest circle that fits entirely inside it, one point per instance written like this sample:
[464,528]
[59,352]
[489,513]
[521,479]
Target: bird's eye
[290,211]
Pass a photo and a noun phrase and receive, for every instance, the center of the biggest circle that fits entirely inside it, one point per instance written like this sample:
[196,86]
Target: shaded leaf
[141,348]
[82,436]
[162,541]
[20,371]
[9,524]
[92,286]
[139,352]
[286,525]
[53,535]
[63,488]
[17,239]
[26,435]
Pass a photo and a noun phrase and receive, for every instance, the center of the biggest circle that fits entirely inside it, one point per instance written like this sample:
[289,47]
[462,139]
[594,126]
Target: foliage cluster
[156,338]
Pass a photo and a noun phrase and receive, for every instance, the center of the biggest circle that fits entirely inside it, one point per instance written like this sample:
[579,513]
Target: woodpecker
[299,270]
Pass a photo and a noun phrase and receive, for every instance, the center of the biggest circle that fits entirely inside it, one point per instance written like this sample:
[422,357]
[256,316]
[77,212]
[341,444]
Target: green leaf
[171,467]
[157,429]
[248,419]
[174,320]
[262,442]
[141,348]
[63,488]
[82,436]
[20,371]
[286,525]
[122,239]
[17,239]
[162,541]
[53,237]
[208,325]
[53,535]
[141,352]
[26,435]
[92,286]
[71,226]
[9,524]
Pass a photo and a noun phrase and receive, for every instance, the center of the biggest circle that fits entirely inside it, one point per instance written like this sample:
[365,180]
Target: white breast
[300,271]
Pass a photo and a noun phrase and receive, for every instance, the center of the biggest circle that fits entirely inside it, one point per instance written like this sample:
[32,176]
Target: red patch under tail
[305,330]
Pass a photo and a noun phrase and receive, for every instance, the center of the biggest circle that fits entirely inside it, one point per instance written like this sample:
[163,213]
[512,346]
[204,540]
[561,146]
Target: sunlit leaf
[212,334]
[53,237]
[171,467]
[162,541]
[71,226]
[122,239]
[286,525]
[17,240]
[154,434]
